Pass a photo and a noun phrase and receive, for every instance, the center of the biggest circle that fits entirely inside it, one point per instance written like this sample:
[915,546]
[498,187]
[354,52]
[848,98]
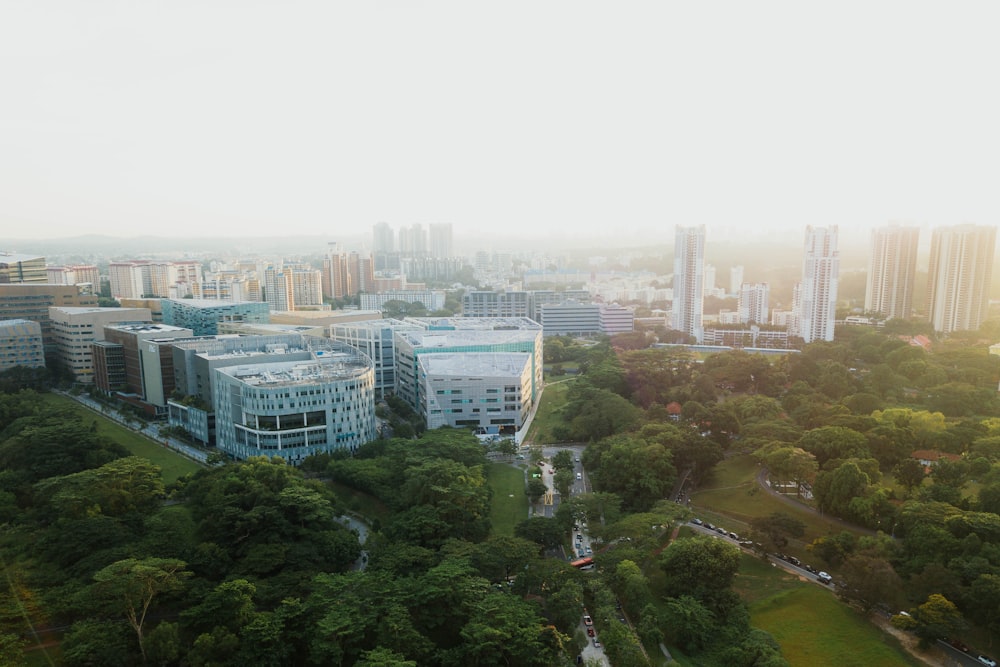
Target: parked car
[587,620]
[697,522]
[597,644]
[720,530]
[590,631]
[959,645]
[709,526]
[809,568]
[824,578]
[734,536]
[986,660]
[794,561]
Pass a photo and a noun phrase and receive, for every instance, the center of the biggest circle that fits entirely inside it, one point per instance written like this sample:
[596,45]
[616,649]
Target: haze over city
[550,121]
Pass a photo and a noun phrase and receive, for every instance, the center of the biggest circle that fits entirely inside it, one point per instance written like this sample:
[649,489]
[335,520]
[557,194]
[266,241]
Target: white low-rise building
[476,390]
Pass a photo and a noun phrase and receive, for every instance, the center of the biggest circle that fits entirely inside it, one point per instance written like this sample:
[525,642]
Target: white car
[986,660]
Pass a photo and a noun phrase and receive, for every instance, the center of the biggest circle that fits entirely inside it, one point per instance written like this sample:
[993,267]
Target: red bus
[583,562]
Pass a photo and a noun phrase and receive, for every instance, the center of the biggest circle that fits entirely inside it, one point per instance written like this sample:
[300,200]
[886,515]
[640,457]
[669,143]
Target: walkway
[150,430]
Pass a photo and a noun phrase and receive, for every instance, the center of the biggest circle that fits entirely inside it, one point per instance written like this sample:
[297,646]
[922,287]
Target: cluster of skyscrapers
[959,275]
[958,281]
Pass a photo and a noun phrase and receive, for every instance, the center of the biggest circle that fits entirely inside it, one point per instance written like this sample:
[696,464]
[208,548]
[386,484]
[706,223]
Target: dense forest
[251,562]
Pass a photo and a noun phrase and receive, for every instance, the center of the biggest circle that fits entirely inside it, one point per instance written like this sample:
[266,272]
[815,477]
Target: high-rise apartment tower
[961,265]
[817,307]
[689,280]
[892,270]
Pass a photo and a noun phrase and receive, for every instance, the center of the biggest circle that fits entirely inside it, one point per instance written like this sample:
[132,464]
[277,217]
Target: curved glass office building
[295,409]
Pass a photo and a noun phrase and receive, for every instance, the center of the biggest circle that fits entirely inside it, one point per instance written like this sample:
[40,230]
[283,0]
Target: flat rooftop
[14,257]
[211,303]
[475,323]
[476,364]
[142,327]
[327,367]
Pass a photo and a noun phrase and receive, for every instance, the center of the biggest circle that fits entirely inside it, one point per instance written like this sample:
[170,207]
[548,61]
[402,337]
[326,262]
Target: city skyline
[584,121]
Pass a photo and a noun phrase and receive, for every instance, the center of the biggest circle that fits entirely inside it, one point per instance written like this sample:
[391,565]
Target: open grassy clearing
[549,414]
[173,465]
[815,629]
[810,624]
[509,506]
[733,499]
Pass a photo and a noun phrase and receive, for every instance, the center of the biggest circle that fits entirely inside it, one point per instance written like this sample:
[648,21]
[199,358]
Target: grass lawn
[172,464]
[814,629]
[549,412]
[732,499]
[510,504]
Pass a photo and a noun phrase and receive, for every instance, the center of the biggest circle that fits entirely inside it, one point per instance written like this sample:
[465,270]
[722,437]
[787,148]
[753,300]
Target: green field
[810,624]
[815,629]
[732,499]
[510,504]
[549,414]
[173,465]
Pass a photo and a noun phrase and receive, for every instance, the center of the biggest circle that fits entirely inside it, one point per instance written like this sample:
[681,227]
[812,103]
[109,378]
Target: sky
[536,119]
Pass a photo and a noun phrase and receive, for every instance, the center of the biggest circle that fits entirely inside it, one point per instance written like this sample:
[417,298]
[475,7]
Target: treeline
[840,421]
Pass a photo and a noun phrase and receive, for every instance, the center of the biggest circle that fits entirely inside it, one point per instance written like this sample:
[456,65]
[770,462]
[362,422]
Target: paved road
[362,530]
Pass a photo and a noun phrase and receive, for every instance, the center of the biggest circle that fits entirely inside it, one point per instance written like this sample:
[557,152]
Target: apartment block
[892,270]
[689,280]
[961,267]
[753,303]
[817,297]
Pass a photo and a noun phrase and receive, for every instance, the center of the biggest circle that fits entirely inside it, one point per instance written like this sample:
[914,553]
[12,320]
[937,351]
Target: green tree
[910,473]
[505,630]
[935,619]
[163,645]
[535,489]
[834,442]
[383,657]
[835,490]
[541,530]
[868,581]
[690,624]
[229,605]
[131,585]
[96,643]
[779,526]
[640,472]
[984,601]
[701,567]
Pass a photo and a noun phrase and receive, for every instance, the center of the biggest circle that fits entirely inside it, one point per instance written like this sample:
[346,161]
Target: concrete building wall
[74,331]
[295,409]
[21,344]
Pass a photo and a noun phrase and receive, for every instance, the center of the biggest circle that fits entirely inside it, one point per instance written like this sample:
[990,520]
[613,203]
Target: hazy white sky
[211,118]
